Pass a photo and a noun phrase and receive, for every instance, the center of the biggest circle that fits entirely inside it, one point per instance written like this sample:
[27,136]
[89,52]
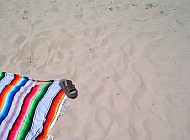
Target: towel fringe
[50,137]
[64,107]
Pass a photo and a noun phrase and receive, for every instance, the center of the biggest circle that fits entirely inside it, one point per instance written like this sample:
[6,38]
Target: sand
[129,59]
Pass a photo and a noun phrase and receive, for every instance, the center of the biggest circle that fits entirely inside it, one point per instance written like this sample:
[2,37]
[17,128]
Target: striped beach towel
[27,110]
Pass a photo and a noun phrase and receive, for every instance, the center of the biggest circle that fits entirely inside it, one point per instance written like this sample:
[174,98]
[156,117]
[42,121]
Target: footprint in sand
[30,54]
[22,24]
[6,5]
[188,122]
[170,80]
[3,60]
[79,13]
[19,40]
[149,35]
[94,32]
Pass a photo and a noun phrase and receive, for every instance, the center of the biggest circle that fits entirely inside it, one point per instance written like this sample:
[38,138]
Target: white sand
[129,59]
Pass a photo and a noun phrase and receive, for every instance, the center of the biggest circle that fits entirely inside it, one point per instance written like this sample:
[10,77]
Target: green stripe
[2,75]
[26,126]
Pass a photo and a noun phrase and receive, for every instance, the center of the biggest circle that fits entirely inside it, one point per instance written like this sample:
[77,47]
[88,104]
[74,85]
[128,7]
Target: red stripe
[51,115]
[20,118]
[8,88]
[4,94]
[16,79]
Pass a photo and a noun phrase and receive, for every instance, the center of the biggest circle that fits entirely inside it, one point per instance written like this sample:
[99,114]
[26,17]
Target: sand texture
[129,59]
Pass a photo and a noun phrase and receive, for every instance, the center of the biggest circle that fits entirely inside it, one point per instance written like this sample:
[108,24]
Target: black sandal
[69,88]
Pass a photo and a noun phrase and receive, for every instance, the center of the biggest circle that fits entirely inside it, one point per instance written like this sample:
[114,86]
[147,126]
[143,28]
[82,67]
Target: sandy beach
[129,59]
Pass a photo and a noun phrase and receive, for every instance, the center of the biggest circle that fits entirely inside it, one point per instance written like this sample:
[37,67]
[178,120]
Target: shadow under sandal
[69,88]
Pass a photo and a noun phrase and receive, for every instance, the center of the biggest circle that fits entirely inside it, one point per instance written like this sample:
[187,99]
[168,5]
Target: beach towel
[28,110]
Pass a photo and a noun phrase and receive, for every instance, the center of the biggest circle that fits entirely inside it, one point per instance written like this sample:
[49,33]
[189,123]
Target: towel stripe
[2,75]
[51,115]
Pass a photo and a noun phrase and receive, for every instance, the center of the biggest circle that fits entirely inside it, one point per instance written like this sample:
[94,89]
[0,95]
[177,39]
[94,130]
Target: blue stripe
[9,98]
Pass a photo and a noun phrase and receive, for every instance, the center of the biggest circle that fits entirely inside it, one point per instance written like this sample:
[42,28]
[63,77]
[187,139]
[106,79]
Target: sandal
[69,88]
